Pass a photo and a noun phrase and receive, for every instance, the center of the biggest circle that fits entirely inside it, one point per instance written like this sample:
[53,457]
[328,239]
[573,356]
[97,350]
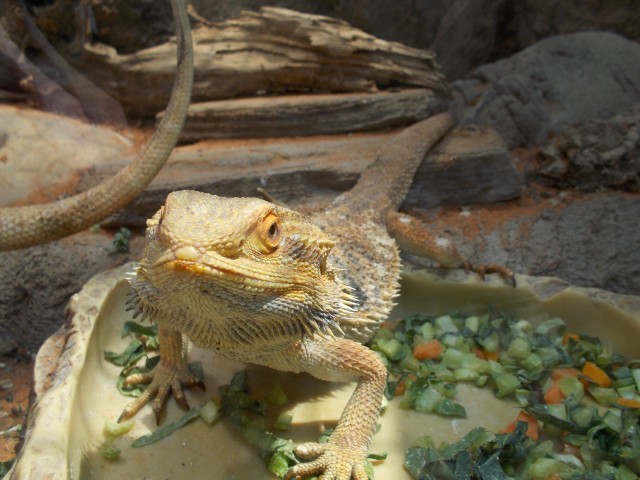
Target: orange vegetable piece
[479,352]
[567,336]
[533,430]
[554,395]
[491,355]
[596,374]
[563,372]
[627,402]
[428,350]
[401,387]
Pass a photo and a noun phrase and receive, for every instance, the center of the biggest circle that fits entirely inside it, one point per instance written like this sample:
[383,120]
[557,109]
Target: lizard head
[243,257]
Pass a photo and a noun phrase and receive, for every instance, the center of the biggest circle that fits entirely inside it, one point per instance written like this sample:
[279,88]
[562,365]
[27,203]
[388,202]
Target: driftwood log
[303,115]
[272,51]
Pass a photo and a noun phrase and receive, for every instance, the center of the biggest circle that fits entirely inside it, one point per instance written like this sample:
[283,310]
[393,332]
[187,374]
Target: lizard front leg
[343,457]
[169,375]
[414,236]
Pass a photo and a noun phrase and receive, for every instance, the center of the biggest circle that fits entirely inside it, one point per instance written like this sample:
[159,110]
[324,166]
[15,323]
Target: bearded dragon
[264,284]
[30,225]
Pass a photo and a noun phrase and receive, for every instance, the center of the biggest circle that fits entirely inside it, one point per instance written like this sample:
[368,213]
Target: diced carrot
[628,402]
[596,374]
[553,395]
[560,373]
[533,430]
[568,336]
[428,350]
[491,355]
[401,387]
[553,476]
[479,352]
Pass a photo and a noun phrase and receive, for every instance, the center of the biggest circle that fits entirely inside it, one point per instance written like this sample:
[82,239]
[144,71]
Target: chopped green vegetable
[131,354]
[283,421]
[167,429]
[506,384]
[121,240]
[112,429]
[210,411]
[277,396]
[109,450]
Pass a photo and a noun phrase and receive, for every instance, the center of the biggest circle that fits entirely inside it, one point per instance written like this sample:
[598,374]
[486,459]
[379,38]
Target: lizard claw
[330,462]
[162,380]
[506,273]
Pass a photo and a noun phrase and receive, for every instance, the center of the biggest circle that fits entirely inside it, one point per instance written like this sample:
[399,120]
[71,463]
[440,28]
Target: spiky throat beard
[226,314]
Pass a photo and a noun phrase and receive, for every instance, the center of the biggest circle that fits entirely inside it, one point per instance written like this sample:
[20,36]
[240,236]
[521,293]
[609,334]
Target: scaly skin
[22,227]
[263,284]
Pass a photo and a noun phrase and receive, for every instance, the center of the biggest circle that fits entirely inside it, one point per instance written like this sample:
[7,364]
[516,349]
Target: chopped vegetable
[428,350]
[167,429]
[532,431]
[109,450]
[210,412]
[626,402]
[112,429]
[553,395]
[283,421]
[277,396]
[596,374]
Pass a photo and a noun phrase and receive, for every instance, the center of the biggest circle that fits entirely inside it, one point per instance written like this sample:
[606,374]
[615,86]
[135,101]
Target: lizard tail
[386,181]
[26,226]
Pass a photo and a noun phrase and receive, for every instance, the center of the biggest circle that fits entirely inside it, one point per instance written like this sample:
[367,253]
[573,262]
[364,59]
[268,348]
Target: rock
[470,166]
[38,281]
[595,154]
[43,156]
[591,243]
[466,35]
[534,20]
[551,85]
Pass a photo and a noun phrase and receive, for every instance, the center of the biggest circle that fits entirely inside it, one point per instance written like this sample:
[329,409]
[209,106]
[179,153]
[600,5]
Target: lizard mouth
[238,274]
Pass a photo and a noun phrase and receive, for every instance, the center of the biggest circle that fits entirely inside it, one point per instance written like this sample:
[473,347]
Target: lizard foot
[329,462]
[503,271]
[162,380]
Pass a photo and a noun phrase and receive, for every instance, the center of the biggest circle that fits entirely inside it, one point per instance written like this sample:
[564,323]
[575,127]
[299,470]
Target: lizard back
[366,256]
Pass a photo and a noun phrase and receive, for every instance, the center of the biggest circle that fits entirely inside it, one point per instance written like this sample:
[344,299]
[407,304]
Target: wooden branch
[302,115]
[272,51]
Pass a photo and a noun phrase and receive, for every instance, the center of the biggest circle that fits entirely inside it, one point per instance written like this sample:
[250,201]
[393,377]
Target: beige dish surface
[76,390]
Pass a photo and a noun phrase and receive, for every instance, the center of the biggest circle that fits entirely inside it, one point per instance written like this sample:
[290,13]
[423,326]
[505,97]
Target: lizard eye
[271,232]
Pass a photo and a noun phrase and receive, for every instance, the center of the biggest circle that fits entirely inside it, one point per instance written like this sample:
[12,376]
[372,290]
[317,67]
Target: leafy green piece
[129,390]
[121,240]
[131,354]
[167,429]
[6,466]
[130,327]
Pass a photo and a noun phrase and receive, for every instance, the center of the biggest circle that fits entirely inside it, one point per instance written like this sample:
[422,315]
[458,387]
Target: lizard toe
[162,381]
[332,462]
